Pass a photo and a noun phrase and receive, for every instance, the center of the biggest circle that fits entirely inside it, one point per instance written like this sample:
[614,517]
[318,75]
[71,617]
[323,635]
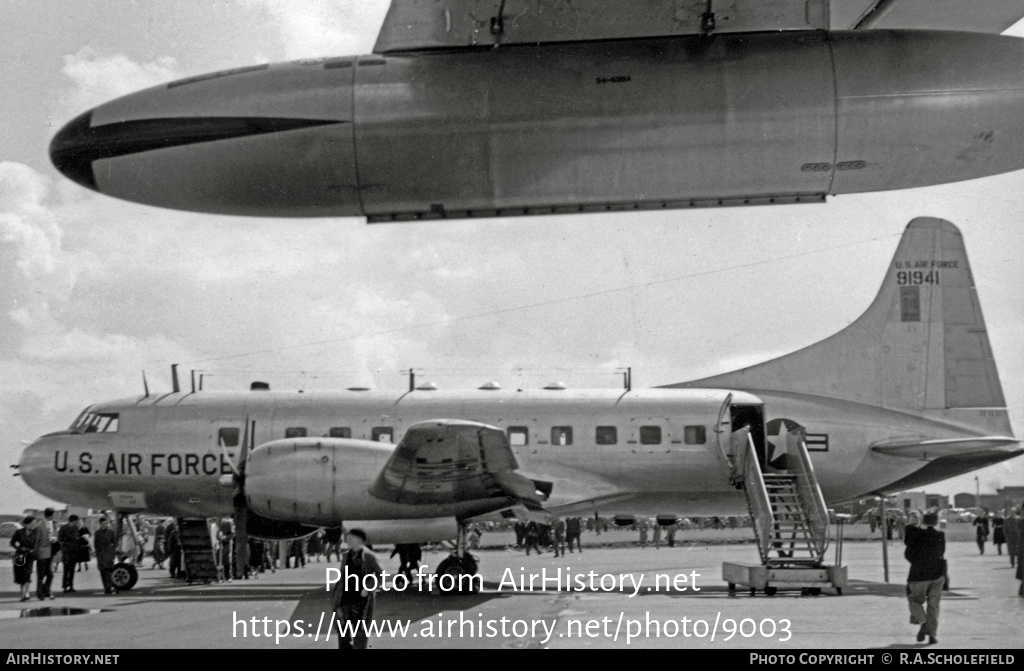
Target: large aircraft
[906,395]
[486,108]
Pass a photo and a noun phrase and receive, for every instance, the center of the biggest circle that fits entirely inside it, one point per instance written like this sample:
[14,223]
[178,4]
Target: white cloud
[25,223]
[98,78]
[317,28]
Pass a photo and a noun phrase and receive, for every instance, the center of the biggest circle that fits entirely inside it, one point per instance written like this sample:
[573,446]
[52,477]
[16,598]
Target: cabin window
[227,436]
[695,435]
[650,435]
[606,435]
[518,436]
[382,434]
[561,435]
[295,432]
[339,432]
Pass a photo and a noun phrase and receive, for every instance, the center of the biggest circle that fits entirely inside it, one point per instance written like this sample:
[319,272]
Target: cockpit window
[95,422]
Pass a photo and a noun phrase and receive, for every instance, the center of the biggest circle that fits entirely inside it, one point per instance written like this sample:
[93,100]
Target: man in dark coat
[106,553]
[409,555]
[531,537]
[1019,521]
[925,551]
[174,550]
[573,531]
[70,541]
[1012,535]
[353,596]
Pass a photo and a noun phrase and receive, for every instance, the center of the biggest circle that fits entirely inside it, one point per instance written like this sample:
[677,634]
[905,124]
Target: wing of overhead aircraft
[416,25]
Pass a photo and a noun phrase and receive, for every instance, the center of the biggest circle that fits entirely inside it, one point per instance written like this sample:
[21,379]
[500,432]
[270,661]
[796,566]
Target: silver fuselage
[167,454]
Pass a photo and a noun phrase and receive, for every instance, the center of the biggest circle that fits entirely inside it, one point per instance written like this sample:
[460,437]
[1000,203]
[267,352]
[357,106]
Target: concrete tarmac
[624,604]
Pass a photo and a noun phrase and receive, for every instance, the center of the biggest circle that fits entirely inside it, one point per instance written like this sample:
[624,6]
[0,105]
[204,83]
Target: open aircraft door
[737,424]
[752,418]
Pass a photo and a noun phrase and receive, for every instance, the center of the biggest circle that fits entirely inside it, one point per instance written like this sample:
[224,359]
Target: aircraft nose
[32,464]
[73,150]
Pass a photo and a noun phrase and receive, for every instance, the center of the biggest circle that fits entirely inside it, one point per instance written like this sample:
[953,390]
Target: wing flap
[445,462]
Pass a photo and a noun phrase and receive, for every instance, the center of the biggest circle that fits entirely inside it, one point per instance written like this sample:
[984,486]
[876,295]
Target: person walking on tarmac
[981,527]
[531,537]
[46,542]
[559,528]
[24,543]
[1012,531]
[409,555]
[573,532]
[998,535]
[925,551]
[351,599]
[106,554]
[70,542]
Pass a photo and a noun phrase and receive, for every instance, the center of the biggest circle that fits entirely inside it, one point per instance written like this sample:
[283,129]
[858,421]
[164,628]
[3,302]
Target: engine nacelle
[739,119]
[315,481]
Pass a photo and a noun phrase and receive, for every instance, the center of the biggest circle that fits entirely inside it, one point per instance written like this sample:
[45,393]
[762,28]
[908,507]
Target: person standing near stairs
[106,554]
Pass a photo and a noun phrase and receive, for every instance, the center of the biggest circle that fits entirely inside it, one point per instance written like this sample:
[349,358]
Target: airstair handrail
[757,500]
[812,498]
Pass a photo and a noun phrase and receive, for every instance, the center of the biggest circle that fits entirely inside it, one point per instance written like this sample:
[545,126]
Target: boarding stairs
[791,522]
[197,545]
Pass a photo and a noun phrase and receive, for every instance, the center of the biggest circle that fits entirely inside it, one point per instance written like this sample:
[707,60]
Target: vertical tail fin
[921,345]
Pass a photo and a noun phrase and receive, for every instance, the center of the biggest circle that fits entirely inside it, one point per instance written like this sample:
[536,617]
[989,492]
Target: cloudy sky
[93,291]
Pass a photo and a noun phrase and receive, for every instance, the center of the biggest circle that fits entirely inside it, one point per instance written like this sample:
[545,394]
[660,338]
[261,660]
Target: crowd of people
[40,546]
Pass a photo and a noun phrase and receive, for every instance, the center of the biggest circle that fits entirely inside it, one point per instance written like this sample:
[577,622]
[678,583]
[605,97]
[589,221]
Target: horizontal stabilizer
[933,449]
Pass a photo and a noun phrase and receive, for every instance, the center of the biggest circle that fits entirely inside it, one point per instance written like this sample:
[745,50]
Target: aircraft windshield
[95,422]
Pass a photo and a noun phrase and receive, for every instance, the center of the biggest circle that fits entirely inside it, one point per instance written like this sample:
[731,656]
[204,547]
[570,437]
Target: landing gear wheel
[732,588]
[815,591]
[123,577]
[461,572]
[839,591]
[770,591]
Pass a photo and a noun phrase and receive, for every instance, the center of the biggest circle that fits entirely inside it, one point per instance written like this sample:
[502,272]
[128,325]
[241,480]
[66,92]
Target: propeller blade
[227,457]
[241,508]
[248,436]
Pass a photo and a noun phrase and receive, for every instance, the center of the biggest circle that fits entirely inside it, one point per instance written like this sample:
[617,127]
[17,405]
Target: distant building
[990,501]
[912,500]
[964,500]
[1011,496]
